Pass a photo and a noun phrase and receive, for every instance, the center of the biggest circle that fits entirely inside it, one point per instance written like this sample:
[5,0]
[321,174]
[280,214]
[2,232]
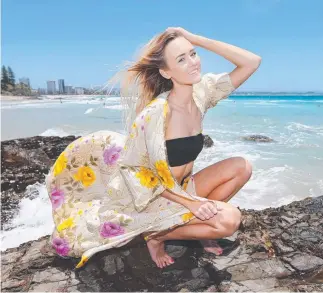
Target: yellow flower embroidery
[147,118]
[71,146]
[90,204]
[80,212]
[164,173]
[60,164]
[151,102]
[86,175]
[147,177]
[187,216]
[165,110]
[68,223]
[134,125]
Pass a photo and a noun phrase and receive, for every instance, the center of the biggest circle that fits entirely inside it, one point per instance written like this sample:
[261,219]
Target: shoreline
[46,98]
[18,98]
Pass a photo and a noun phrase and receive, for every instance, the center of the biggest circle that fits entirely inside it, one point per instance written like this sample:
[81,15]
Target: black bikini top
[183,150]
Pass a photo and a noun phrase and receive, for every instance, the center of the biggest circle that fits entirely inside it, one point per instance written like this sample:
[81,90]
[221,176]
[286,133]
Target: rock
[192,285]
[24,162]
[200,273]
[258,138]
[276,249]
[113,264]
[175,249]
[208,142]
[271,268]
[303,261]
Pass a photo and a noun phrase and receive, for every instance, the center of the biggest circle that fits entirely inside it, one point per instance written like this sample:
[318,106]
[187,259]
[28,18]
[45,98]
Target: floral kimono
[105,187]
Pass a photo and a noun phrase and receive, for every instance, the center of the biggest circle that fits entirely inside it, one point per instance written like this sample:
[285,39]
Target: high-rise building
[61,86]
[69,90]
[25,80]
[51,87]
[41,91]
[79,90]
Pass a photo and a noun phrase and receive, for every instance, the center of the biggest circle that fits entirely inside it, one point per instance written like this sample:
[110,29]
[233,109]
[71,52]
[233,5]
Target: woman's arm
[176,198]
[238,56]
[203,210]
[246,61]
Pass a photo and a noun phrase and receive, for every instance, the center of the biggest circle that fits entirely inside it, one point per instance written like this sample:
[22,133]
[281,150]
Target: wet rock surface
[258,138]
[24,162]
[256,258]
[276,249]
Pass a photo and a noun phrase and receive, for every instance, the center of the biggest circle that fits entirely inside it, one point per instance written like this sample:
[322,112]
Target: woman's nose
[192,61]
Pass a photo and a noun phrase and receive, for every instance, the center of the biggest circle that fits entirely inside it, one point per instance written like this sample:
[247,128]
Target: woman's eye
[180,60]
[194,53]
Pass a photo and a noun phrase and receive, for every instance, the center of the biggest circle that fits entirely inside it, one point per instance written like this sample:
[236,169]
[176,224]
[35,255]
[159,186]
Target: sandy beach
[18,98]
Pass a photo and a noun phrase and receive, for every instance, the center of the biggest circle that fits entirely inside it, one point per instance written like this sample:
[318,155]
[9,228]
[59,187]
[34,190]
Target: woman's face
[183,63]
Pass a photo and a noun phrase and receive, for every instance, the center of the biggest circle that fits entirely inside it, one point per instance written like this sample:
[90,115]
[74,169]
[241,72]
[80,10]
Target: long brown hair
[142,81]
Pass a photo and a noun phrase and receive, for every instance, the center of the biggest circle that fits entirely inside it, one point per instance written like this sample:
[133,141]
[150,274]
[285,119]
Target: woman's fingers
[213,207]
[207,212]
[200,215]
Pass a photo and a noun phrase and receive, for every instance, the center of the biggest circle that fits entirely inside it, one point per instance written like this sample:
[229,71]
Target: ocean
[288,169]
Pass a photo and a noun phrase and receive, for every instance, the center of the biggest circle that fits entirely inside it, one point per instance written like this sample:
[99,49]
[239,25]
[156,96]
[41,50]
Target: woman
[106,188]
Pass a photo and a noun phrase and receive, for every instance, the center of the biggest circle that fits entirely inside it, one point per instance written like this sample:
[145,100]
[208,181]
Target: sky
[84,41]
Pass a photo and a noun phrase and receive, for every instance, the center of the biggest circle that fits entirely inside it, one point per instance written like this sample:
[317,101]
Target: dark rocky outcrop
[276,249]
[24,162]
[208,142]
[258,138]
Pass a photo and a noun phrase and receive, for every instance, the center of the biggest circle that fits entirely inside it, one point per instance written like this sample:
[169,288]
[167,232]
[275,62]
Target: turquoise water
[289,168]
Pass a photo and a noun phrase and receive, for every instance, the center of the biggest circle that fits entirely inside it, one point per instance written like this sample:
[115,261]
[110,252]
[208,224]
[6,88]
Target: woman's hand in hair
[187,35]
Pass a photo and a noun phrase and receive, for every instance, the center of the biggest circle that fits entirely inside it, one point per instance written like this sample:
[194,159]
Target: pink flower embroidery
[61,246]
[142,127]
[112,154]
[109,229]
[57,198]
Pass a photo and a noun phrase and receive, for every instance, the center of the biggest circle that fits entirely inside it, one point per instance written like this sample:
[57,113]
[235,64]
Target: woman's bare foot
[212,246]
[158,254]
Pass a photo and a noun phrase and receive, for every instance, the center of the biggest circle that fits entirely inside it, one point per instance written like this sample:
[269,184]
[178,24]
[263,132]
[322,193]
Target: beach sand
[18,98]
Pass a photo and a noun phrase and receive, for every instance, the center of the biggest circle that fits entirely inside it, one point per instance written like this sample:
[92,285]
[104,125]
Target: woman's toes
[170,260]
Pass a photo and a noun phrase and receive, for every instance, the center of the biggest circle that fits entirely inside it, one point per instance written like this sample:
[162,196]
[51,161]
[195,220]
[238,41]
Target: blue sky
[83,41]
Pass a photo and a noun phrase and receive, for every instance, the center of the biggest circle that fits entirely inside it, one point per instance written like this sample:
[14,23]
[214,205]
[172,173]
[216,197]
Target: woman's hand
[187,35]
[203,210]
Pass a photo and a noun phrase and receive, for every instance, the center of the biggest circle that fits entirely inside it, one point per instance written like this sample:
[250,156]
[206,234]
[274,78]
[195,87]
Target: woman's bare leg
[221,181]
[223,224]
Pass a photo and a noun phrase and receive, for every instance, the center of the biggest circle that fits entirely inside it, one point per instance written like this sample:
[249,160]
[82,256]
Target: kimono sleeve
[216,87]
[136,167]
[143,185]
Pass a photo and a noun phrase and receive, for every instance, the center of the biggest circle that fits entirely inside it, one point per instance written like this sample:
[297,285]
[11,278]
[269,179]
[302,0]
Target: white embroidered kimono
[105,188]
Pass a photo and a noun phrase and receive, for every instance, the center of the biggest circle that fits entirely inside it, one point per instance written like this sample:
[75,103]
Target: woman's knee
[229,220]
[243,167]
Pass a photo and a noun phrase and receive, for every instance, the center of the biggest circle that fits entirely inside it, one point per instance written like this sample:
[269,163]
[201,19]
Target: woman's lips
[194,72]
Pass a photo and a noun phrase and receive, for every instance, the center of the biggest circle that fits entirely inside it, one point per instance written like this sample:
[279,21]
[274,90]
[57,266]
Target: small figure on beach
[107,188]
